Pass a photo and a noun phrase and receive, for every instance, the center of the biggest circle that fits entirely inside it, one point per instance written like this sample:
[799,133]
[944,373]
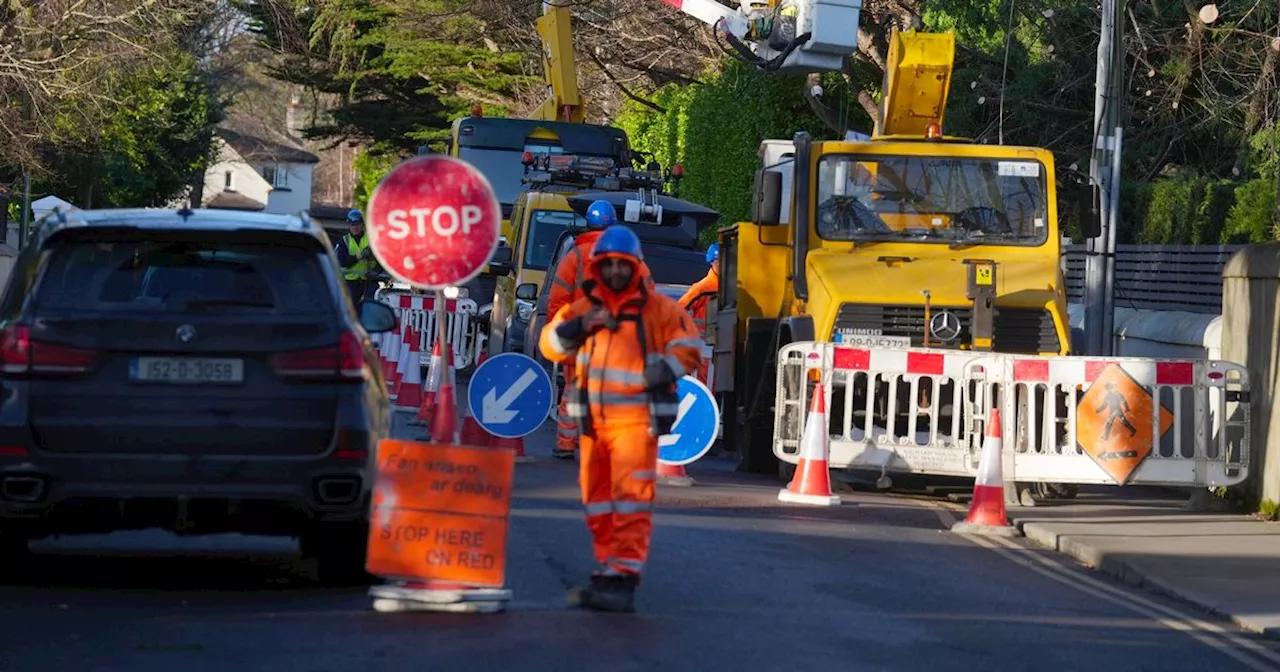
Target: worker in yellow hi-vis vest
[356,258]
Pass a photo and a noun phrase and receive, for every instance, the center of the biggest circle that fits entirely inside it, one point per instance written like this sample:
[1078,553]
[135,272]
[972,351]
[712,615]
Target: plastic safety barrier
[463,330]
[1086,420]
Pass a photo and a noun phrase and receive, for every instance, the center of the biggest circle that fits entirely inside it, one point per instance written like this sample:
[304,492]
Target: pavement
[736,580]
[1226,565]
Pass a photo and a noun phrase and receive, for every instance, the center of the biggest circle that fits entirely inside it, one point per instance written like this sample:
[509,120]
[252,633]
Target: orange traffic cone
[812,482]
[444,422]
[987,515]
[516,444]
[410,396]
[674,474]
[428,405]
[390,352]
[402,364]
[473,434]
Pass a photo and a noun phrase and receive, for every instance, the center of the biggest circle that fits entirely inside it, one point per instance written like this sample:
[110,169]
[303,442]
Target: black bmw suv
[199,371]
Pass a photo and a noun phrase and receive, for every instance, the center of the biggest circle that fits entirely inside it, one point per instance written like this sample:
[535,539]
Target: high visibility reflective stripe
[616,376]
[559,346]
[677,367]
[632,507]
[598,508]
[626,566]
[644,475]
[695,343]
[562,283]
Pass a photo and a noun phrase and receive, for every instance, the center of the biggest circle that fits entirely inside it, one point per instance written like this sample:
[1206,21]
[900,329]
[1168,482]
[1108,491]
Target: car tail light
[22,356]
[344,361]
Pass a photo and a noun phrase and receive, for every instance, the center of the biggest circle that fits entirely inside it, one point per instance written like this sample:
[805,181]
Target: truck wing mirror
[527,292]
[766,202]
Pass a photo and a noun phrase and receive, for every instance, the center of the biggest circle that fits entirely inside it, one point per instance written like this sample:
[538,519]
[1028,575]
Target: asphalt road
[736,581]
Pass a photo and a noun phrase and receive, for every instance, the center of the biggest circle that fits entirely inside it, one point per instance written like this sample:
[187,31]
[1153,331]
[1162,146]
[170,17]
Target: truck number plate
[868,341]
[186,370]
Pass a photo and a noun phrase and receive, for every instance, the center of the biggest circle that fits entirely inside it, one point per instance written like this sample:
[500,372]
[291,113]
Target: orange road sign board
[440,513]
[1116,425]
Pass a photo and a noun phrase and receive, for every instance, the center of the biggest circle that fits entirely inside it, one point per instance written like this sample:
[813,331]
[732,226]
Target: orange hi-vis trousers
[566,428]
[618,470]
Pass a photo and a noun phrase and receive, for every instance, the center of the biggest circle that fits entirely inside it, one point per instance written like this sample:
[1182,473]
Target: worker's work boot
[607,593]
[562,454]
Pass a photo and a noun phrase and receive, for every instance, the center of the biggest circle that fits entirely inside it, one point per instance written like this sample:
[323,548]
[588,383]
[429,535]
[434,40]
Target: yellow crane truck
[877,238]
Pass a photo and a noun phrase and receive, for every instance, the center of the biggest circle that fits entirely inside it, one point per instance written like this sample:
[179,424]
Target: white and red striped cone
[432,385]
[410,396]
[812,481]
[444,421]
[987,515]
[402,364]
[674,474]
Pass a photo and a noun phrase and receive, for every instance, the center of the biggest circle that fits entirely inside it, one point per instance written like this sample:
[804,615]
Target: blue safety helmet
[354,217]
[713,252]
[617,241]
[601,215]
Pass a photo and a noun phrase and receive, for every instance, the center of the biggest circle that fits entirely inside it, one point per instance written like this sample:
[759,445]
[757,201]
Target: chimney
[293,118]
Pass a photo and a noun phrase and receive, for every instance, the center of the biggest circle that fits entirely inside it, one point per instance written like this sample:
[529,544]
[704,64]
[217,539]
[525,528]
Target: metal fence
[1159,277]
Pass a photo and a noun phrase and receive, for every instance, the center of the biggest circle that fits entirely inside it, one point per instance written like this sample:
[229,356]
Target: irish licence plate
[869,341]
[186,370]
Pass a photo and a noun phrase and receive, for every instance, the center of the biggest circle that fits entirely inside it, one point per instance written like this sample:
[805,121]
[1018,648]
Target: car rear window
[184,275]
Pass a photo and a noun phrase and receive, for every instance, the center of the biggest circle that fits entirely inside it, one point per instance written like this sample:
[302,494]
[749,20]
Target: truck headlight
[524,310]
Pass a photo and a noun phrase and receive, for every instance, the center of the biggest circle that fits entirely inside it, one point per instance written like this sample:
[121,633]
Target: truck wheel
[339,550]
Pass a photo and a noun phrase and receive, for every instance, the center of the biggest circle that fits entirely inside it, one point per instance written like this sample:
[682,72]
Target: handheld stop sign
[434,222]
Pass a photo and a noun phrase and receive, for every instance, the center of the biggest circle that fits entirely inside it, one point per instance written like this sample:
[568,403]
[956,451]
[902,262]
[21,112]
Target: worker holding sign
[566,287]
[630,345]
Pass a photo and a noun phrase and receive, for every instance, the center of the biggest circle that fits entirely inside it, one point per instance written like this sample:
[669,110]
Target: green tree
[148,151]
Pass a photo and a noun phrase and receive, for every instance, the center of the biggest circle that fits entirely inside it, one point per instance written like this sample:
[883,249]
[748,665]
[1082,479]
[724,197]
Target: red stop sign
[434,222]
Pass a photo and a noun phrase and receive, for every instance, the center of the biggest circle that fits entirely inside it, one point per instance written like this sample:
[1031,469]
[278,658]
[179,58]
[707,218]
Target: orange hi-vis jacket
[567,285]
[609,365]
[696,298]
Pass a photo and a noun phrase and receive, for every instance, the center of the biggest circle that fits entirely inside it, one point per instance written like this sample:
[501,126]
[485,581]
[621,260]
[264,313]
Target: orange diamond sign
[1115,423]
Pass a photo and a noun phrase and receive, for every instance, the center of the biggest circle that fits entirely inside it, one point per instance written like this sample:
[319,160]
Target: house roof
[230,200]
[258,141]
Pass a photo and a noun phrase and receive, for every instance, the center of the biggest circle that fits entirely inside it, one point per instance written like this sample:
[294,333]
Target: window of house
[276,175]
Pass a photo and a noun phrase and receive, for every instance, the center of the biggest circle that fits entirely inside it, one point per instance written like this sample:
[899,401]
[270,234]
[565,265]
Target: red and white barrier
[918,411]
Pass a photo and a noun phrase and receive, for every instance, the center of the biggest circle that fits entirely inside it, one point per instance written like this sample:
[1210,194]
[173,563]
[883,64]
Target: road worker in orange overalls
[699,295]
[630,345]
[566,287]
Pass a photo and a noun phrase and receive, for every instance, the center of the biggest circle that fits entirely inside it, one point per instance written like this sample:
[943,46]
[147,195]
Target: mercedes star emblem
[945,326]
[186,333]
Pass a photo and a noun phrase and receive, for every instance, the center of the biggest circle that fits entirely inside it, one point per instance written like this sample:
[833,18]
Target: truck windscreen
[502,167]
[929,199]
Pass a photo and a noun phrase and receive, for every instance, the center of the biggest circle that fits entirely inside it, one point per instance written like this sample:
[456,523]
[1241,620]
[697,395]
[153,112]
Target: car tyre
[15,553]
[340,551]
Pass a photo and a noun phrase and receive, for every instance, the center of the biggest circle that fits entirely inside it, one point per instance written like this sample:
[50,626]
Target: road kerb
[1131,574]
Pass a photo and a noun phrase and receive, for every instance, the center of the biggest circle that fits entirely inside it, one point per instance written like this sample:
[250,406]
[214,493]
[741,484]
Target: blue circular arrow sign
[509,395]
[697,424]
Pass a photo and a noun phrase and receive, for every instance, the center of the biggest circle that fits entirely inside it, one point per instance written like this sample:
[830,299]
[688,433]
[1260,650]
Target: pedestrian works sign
[1116,423]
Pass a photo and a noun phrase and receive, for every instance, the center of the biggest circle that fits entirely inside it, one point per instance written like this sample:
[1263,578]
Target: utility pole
[24,229]
[1104,169]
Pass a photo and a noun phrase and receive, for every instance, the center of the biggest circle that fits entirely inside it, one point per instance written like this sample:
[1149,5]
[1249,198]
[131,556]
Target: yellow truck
[907,238]
[540,216]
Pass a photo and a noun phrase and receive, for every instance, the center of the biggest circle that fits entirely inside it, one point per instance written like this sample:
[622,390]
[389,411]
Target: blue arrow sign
[697,425]
[509,395]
